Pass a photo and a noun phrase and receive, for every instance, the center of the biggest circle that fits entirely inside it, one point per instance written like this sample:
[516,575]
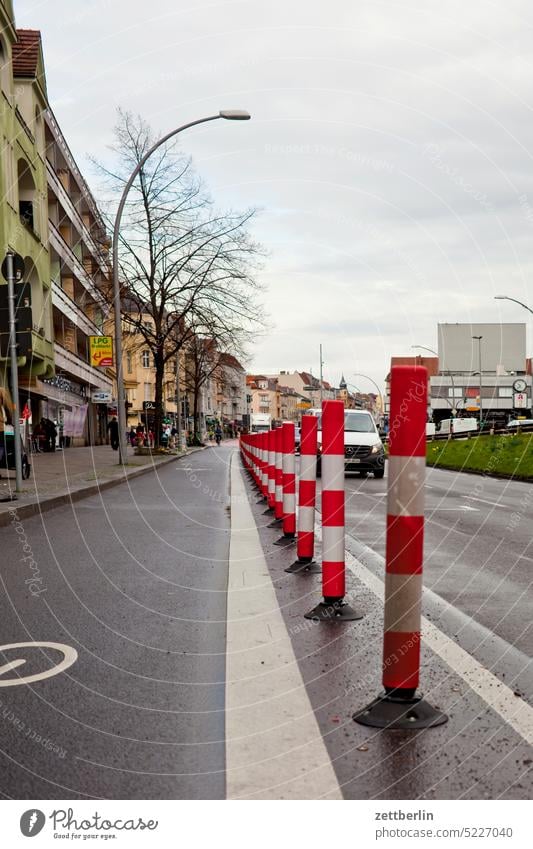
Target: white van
[363,449]
[458,425]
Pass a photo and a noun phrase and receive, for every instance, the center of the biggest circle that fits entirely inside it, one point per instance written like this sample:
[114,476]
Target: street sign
[101,351]
[101,397]
[148,405]
[18,267]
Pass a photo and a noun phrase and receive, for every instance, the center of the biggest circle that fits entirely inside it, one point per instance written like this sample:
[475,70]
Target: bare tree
[185,265]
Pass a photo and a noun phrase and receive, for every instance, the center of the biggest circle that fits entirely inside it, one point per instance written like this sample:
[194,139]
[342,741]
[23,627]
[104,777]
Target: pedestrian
[218,434]
[151,438]
[6,418]
[50,432]
[140,434]
[113,433]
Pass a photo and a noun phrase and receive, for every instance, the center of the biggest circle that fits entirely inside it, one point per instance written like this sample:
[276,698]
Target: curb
[24,511]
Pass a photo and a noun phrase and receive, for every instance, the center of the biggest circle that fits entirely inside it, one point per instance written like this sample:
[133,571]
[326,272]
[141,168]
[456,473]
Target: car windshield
[354,422]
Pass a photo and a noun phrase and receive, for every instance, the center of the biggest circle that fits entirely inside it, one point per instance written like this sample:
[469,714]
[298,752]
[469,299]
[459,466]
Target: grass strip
[501,454]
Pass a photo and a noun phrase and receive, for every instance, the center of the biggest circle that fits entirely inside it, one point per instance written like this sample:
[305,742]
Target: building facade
[81,284]
[483,370]
[23,193]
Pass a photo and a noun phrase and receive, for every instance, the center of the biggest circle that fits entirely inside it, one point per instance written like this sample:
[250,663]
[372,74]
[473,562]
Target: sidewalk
[62,476]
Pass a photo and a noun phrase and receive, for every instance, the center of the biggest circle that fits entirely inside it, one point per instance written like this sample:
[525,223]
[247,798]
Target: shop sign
[101,351]
[101,397]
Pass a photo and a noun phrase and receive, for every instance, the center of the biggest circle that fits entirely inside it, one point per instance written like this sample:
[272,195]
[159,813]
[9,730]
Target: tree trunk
[197,438]
[158,416]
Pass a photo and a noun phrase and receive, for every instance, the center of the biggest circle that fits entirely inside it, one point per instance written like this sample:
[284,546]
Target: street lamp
[229,115]
[382,402]
[479,338]
[507,298]
[444,371]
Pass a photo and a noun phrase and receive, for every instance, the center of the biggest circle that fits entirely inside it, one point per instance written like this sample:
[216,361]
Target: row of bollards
[270,459]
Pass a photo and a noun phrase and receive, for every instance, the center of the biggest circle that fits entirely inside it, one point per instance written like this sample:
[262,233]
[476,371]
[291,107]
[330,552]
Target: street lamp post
[450,375]
[382,401]
[228,114]
[507,298]
[479,338]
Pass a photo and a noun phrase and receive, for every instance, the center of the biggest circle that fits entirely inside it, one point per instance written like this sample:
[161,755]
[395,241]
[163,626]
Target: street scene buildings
[266,422]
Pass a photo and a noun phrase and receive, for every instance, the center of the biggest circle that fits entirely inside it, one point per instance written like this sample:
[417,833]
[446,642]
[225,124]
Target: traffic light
[23,320]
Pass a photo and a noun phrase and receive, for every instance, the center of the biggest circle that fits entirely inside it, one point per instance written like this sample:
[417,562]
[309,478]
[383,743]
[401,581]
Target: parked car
[514,423]
[363,449]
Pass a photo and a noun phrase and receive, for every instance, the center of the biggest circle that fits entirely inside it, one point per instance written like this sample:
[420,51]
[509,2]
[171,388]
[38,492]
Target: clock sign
[519,385]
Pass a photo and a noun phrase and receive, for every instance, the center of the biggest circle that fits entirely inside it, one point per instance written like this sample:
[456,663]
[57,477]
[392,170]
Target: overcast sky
[390,149]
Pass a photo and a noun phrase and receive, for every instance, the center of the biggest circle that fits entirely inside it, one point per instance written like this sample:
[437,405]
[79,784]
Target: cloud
[390,147]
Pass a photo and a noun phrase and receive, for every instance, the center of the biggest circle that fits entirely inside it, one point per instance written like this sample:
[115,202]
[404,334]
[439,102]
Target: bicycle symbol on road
[70,656]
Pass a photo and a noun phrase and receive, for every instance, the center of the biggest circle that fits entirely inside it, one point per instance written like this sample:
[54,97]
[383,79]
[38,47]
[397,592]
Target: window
[128,363]
[505,391]
[145,357]
[147,391]
[26,187]
[5,70]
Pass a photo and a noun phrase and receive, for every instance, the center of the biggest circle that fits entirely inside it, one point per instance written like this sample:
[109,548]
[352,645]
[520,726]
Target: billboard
[101,351]
[502,345]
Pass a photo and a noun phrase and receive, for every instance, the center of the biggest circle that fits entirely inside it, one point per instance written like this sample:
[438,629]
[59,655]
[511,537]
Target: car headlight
[377,448]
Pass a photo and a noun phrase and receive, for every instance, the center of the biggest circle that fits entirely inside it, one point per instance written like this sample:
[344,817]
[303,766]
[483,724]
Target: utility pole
[321,364]
[479,338]
[10,264]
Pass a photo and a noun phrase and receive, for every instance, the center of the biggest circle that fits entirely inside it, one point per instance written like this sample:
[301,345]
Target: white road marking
[13,665]
[274,747]
[453,509]
[497,695]
[70,656]
[491,503]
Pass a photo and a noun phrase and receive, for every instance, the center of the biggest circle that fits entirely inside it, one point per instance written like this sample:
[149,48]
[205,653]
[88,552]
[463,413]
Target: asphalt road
[477,754]
[128,582]
[478,545]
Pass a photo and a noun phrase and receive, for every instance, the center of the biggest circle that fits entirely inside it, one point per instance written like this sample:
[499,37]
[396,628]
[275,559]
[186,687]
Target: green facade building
[23,188]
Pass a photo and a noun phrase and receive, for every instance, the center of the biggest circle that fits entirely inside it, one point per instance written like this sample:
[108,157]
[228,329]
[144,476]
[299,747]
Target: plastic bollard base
[334,610]
[285,540]
[275,524]
[304,567]
[396,712]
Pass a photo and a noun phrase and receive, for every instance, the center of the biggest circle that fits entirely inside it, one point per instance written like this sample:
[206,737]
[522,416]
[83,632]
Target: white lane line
[490,503]
[497,695]
[452,509]
[274,747]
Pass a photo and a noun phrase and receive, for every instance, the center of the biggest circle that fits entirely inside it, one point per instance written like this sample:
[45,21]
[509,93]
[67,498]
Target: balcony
[70,363]
[71,310]
[66,201]
[68,256]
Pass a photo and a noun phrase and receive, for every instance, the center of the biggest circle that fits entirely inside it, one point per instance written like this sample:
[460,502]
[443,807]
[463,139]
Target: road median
[502,455]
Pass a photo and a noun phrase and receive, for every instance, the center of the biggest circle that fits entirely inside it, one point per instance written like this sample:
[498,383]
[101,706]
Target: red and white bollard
[399,706]
[289,485]
[271,448]
[333,607]
[278,478]
[263,452]
[306,499]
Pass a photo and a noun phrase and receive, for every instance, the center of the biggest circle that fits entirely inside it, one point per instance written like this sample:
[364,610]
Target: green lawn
[505,455]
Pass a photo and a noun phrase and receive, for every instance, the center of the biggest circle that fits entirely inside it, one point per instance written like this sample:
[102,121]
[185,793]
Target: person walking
[6,418]
[113,433]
